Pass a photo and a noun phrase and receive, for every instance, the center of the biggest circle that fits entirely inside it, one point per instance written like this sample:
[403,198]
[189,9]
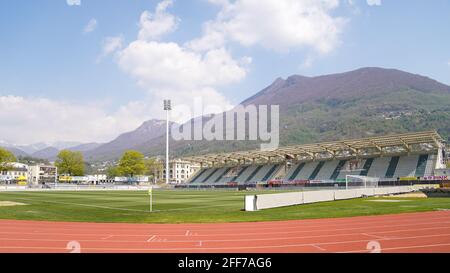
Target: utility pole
[167,108]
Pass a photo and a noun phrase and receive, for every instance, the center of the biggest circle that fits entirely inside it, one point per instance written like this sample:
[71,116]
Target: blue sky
[53,68]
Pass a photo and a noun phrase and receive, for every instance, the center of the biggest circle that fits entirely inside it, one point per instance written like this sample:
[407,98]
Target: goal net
[361,181]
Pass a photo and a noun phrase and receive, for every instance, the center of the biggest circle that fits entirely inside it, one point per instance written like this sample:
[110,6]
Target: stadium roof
[410,143]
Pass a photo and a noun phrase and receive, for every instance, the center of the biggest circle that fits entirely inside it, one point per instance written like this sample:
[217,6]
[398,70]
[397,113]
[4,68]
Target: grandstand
[389,158]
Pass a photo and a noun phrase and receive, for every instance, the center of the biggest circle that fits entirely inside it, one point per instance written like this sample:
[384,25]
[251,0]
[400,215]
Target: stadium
[392,160]
[357,195]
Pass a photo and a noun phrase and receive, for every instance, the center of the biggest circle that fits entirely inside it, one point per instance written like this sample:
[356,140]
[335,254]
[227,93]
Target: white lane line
[259,233]
[216,249]
[318,247]
[292,224]
[232,240]
[376,236]
[276,227]
[153,239]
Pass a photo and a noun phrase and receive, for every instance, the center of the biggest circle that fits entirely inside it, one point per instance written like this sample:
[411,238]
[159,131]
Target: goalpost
[361,181]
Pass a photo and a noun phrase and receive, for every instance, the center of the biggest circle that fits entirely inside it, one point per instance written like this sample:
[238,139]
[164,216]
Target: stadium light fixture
[167,108]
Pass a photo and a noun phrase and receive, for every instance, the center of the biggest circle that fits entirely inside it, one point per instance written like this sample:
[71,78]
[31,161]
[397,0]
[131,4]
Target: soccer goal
[361,181]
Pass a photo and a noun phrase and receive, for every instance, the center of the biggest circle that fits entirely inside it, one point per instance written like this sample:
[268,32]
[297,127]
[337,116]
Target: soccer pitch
[180,206]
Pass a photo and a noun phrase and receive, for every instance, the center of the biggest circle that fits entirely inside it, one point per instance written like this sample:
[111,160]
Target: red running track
[411,232]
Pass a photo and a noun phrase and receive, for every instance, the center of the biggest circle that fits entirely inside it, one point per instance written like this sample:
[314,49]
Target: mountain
[364,82]
[49,153]
[360,103]
[85,147]
[147,131]
[15,151]
[36,147]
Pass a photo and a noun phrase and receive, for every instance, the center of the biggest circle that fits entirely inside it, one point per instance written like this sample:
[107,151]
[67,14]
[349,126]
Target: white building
[179,171]
[17,173]
[42,174]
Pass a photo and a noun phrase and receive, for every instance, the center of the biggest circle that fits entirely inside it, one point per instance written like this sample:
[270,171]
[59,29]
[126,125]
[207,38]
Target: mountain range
[360,103]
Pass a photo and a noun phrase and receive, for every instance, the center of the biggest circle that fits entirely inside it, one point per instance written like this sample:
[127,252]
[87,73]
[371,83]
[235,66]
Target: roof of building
[398,144]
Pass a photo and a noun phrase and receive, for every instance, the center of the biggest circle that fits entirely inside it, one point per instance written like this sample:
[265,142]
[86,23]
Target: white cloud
[161,65]
[91,26]
[28,120]
[154,25]
[279,25]
[374,2]
[171,70]
[111,45]
[73,2]
[201,66]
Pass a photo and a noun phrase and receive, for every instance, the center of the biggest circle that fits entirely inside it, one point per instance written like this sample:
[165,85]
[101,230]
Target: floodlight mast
[167,108]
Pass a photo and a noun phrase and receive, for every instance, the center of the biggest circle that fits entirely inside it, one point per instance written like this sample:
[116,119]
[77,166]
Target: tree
[132,163]
[29,160]
[153,167]
[113,171]
[5,158]
[70,163]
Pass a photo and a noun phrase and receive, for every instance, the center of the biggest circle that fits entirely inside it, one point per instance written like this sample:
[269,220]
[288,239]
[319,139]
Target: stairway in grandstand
[295,171]
[222,173]
[431,165]
[379,167]
[271,172]
[242,178]
[421,165]
[214,171]
[316,170]
[392,167]
[338,169]
[327,170]
[252,175]
[226,177]
[197,175]
[406,166]
[367,164]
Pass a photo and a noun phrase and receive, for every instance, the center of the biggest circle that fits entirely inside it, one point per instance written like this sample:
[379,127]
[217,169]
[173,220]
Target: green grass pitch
[175,206]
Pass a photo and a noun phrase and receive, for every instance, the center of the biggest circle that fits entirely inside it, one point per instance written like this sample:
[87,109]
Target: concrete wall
[317,196]
[266,201]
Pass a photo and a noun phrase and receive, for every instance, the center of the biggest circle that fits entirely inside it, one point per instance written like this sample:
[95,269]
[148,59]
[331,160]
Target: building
[42,174]
[401,157]
[18,173]
[180,171]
